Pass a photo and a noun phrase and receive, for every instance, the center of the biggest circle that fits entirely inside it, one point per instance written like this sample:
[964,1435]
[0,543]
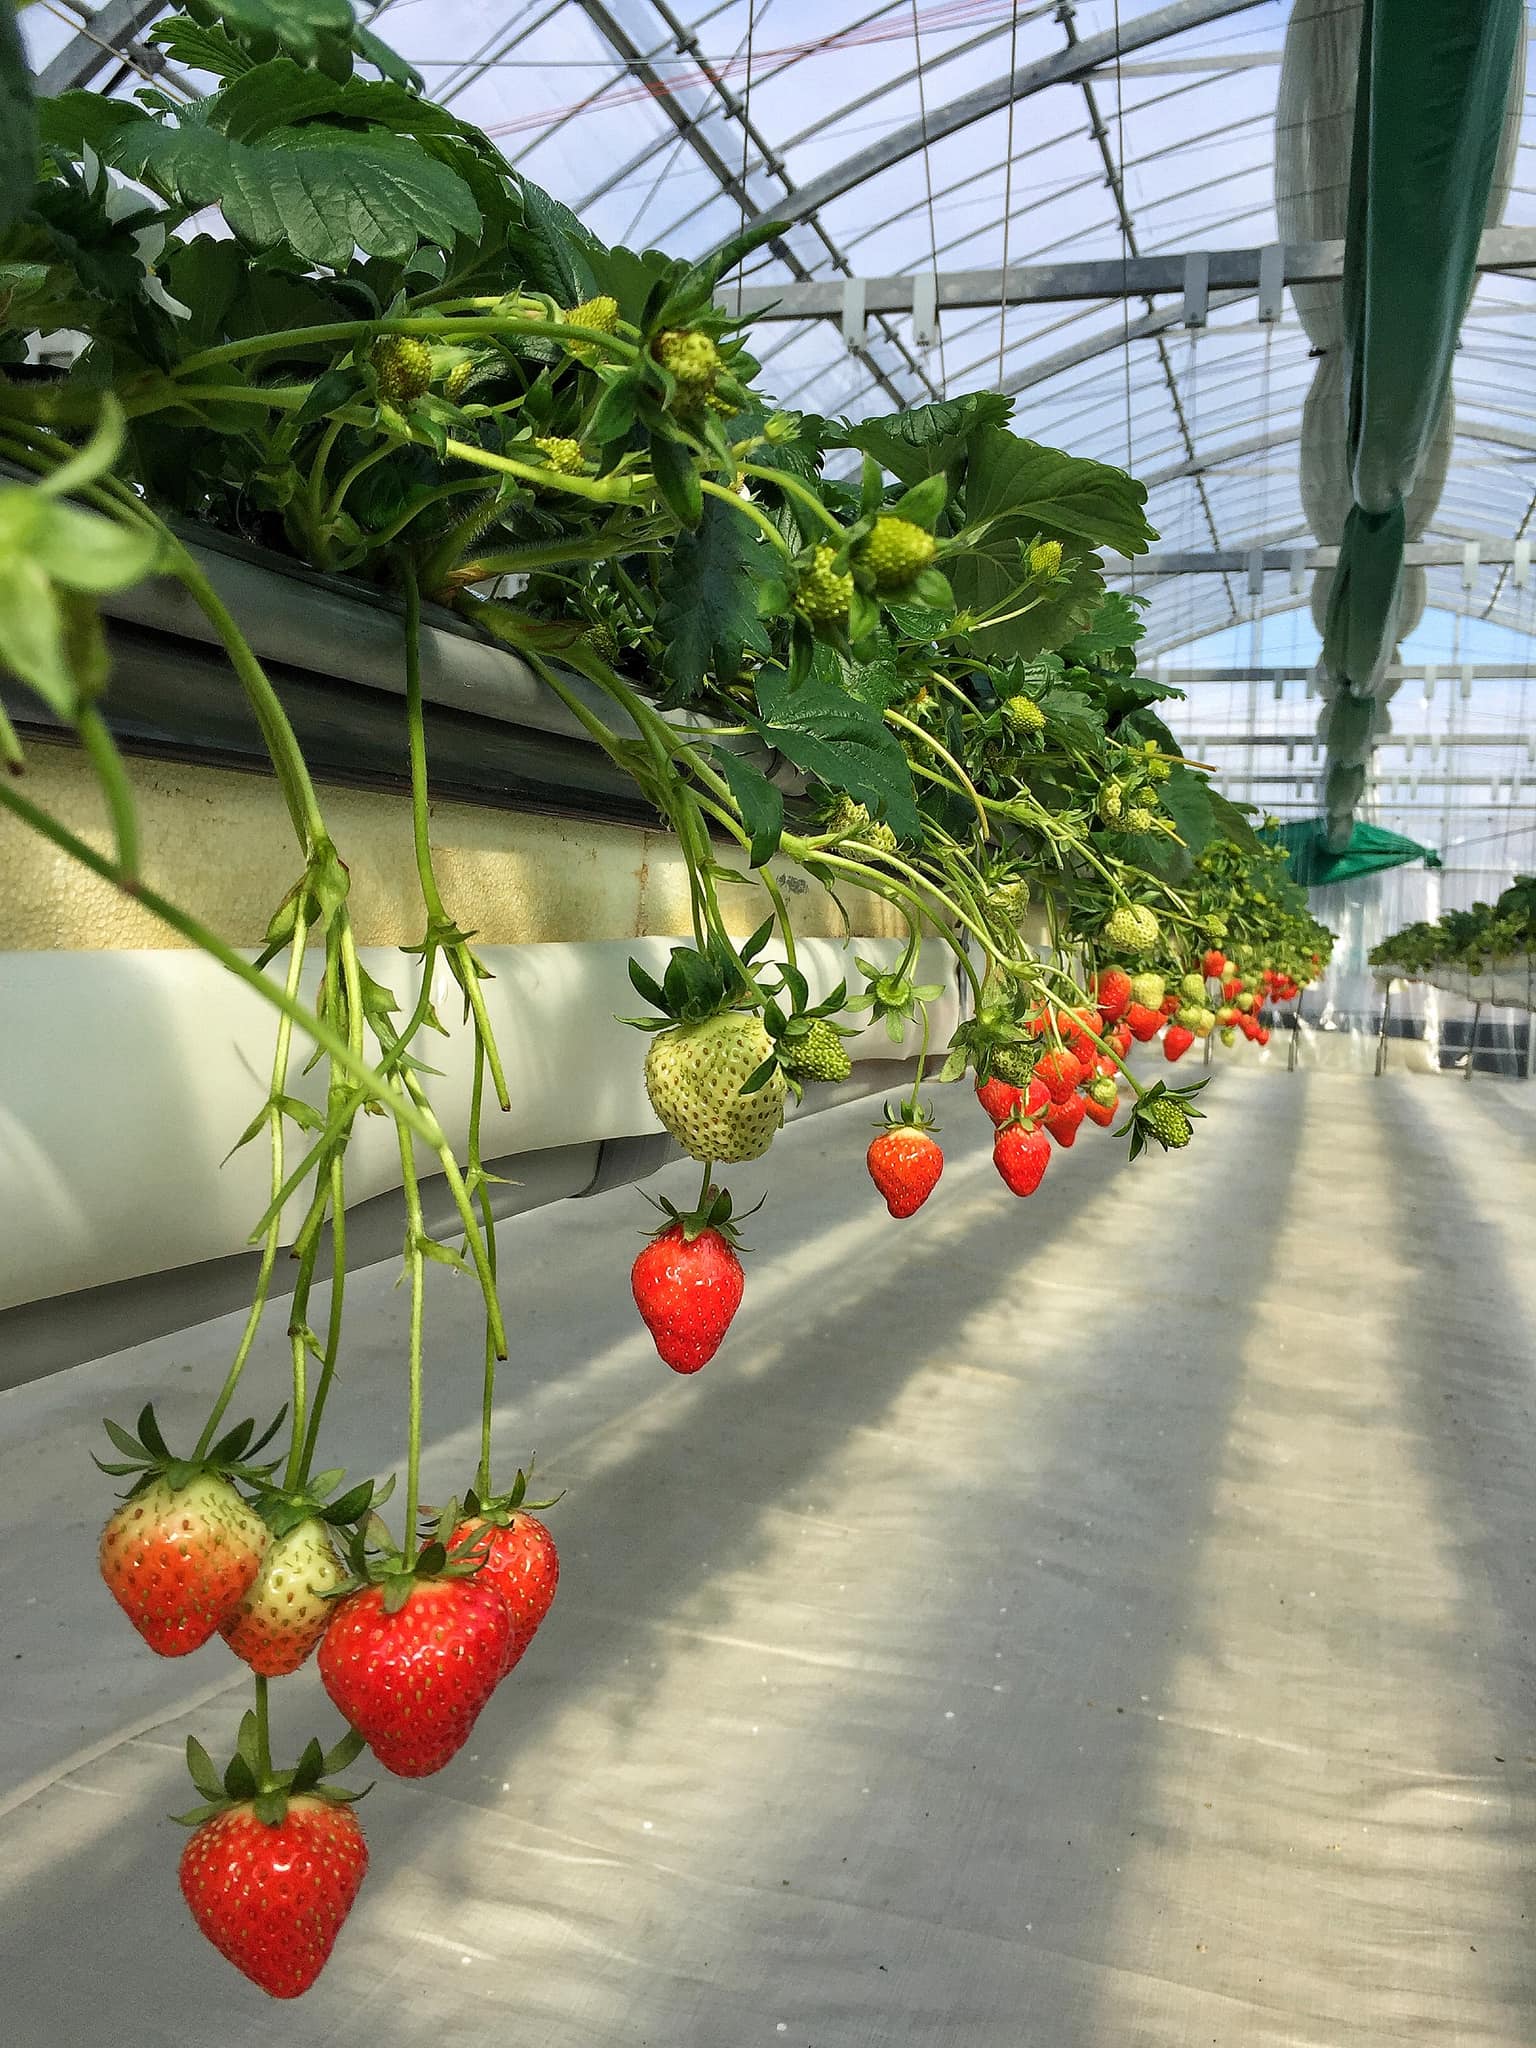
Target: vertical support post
[1477,1018]
[1381,1042]
[1271,282]
[855,310]
[1197,288]
[925,309]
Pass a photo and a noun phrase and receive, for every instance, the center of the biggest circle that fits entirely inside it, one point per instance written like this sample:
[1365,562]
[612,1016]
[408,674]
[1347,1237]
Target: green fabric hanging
[1429,107]
[1370,848]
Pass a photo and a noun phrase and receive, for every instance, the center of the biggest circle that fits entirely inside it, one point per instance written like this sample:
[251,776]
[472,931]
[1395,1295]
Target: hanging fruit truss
[397,361]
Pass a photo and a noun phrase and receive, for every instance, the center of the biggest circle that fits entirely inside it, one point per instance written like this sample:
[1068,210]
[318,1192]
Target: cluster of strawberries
[409,1650]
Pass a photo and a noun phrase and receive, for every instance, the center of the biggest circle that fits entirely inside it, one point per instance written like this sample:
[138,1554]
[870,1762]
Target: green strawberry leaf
[760,804]
[1065,497]
[925,439]
[708,618]
[317,190]
[842,742]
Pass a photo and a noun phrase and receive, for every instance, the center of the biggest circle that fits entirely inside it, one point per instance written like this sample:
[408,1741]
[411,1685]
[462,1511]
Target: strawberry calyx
[909,1115]
[712,1213]
[231,1457]
[248,1779]
[497,1509]
[283,1509]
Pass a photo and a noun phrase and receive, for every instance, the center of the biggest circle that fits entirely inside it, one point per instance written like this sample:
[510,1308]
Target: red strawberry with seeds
[998,1098]
[1144,1023]
[411,1661]
[520,1561]
[1101,1113]
[688,1282]
[1061,1072]
[1214,965]
[182,1550]
[1021,1152]
[272,1896]
[1176,1042]
[905,1161]
[1064,1119]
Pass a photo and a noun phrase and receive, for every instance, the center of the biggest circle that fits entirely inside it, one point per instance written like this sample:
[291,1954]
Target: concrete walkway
[1108,1627]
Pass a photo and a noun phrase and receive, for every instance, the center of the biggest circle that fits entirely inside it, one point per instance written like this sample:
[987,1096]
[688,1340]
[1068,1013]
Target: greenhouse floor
[1110,1624]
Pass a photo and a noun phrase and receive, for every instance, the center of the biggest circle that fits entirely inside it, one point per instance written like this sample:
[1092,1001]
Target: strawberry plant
[401,363]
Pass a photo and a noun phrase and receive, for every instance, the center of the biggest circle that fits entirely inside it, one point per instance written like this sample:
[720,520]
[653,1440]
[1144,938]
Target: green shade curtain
[1369,849]
[1429,108]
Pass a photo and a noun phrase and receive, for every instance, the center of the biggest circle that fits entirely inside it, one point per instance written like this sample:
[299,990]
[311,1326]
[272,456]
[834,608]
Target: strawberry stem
[269,1247]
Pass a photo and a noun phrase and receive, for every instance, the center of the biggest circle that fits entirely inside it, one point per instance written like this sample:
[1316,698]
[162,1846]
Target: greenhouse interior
[860,676]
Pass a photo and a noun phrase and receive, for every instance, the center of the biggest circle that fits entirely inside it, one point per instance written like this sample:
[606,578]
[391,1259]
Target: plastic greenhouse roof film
[665,123]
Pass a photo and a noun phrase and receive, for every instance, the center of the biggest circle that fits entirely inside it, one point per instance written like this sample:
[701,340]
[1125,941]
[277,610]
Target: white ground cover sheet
[1097,1622]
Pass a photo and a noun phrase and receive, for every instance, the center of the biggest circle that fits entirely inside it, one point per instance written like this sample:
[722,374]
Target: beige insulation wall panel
[219,844]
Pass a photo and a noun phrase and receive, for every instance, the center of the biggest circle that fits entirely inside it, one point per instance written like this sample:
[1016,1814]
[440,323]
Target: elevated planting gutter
[130,1071]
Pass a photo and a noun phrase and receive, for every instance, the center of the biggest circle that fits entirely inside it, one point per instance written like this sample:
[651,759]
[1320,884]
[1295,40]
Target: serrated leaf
[707,618]
[296,24]
[925,438]
[1116,624]
[673,467]
[843,743]
[761,805]
[316,190]
[1066,497]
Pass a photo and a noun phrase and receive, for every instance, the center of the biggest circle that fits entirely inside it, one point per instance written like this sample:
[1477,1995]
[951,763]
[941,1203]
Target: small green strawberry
[1138,819]
[822,594]
[1110,802]
[1023,717]
[562,455]
[692,358]
[403,367]
[818,1055]
[895,552]
[602,316]
[1164,1115]
[853,821]
[1044,558]
[1149,989]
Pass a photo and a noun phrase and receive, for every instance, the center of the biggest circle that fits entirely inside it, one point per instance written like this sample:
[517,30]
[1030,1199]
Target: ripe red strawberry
[1064,1119]
[1176,1042]
[412,1682]
[688,1283]
[1021,1152]
[272,1898]
[998,1098]
[1083,1050]
[521,1562]
[1120,1038]
[1172,1002]
[1232,988]
[284,1612]
[1213,966]
[1144,1023]
[905,1162]
[178,1560]
[1061,1072]
[1262,1034]
[1101,1113]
